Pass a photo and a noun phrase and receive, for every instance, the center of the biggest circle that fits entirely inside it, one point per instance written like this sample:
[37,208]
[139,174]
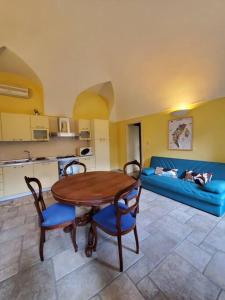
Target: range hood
[64,129]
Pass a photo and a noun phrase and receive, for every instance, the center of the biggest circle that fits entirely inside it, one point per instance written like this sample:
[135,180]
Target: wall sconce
[180,112]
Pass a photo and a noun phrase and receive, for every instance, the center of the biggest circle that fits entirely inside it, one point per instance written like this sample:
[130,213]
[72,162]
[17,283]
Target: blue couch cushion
[215,186]
[148,171]
[106,218]
[57,214]
[183,187]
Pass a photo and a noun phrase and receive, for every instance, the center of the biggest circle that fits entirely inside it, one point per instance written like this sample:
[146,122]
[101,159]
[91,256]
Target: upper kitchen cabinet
[39,122]
[15,127]
[100,129]
[84,129]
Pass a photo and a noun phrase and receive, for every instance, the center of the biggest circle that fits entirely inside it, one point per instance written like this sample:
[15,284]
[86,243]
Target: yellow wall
[90,106]
[21,105]
[208,135]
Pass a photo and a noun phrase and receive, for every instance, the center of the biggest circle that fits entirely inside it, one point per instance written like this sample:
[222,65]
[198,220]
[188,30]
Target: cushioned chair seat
[132,194]
[106,218]
[57,214]
[186,188]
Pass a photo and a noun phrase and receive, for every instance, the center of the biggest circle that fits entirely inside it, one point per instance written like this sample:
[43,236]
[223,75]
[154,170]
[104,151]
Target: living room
[117,109]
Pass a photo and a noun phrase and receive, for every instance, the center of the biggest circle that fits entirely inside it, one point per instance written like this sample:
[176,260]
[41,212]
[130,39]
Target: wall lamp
[180,112]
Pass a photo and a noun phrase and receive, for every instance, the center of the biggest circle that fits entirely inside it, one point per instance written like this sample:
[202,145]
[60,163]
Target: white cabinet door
[102,159]
[47,173]
[13,179]
[15,127]
[100,129]
[39,122]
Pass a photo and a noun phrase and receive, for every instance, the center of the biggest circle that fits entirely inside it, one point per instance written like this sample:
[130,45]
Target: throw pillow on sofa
[148,171]
[166,172]
[215,186]
[198,178]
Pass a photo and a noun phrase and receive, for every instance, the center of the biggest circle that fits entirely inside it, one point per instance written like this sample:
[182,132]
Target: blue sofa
[184,191]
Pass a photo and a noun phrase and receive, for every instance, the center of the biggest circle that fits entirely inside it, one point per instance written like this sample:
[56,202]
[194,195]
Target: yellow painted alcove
[21,105]
[15,72]
[89,105]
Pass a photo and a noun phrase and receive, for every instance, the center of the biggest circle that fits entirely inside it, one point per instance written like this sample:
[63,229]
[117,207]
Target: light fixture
[180,112]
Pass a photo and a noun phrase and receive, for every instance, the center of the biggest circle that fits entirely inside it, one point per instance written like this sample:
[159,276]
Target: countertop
[19,162]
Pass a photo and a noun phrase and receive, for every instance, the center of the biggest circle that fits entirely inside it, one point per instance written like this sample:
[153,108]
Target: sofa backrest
[217,169]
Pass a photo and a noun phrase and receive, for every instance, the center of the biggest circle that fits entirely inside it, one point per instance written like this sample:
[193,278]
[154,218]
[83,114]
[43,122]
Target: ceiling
[156,54]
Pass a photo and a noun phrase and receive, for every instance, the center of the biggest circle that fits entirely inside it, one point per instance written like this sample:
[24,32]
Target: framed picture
[180,134]
[64,125]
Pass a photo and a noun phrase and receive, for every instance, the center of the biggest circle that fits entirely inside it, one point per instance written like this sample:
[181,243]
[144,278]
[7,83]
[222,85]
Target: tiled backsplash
[54,147]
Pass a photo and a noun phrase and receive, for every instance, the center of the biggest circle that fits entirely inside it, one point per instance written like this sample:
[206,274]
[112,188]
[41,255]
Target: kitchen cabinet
[13,179]
[39,122]
[15,127]
[102,159]
[84,129]
[47,172]
[89,161]
[100,129]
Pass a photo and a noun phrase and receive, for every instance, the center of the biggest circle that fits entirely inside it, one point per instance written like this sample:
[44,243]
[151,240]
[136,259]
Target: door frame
[140,135]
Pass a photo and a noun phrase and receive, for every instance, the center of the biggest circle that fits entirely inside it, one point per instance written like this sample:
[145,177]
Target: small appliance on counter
[85,151]
[63,161]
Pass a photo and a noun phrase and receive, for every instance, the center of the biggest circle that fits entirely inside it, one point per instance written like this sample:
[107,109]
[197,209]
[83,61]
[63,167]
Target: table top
[91,188]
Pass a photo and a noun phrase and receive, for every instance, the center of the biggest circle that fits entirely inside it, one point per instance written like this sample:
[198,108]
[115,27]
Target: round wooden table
[91,189]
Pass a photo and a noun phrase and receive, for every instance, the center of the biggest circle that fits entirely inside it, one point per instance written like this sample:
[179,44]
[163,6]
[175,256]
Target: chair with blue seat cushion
[136,175]
[118,218]
[53,217]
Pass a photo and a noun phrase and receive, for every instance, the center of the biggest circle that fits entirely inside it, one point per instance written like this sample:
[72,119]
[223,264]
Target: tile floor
[182,257]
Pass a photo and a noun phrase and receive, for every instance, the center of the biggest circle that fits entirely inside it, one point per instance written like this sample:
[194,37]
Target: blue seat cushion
[106,218]
[132,194]
[57,214]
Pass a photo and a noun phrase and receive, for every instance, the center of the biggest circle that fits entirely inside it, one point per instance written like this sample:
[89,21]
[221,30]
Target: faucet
[28,153]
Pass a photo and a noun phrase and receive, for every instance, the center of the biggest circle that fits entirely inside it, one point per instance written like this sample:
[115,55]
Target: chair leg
[136,239]
[95,236]
[73,236]
[41,246]
[119,239]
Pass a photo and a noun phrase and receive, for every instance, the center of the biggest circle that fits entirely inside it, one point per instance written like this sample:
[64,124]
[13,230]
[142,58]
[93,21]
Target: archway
[95,102]
[15,72]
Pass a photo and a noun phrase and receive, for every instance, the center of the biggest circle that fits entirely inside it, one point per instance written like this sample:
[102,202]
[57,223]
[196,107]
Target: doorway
[134,149]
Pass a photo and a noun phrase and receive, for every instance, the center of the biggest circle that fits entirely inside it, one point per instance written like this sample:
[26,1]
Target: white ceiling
[157,54]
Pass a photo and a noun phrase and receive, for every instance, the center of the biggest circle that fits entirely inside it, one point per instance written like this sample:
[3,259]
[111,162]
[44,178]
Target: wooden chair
[138,175]
[74,162]
[53,217]
[118,219]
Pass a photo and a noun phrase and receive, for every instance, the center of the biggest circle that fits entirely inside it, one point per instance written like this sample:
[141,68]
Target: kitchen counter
[19,162]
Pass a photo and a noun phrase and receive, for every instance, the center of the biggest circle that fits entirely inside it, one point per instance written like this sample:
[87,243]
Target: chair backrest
[38,195]
[134,163]
[74,162]
[120,211]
